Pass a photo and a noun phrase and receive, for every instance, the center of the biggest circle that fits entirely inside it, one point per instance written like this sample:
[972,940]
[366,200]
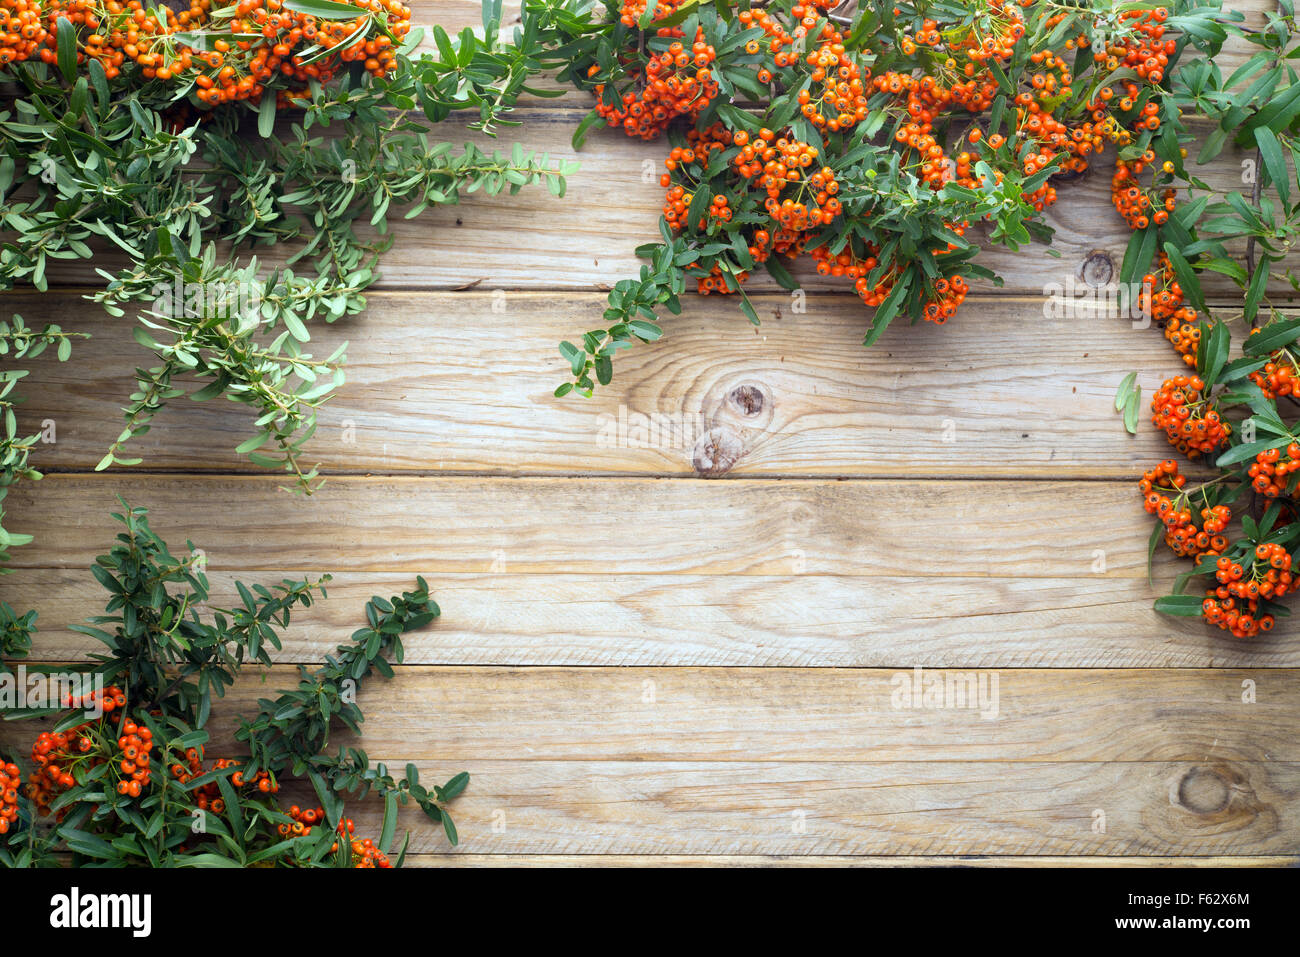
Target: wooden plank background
[685,651]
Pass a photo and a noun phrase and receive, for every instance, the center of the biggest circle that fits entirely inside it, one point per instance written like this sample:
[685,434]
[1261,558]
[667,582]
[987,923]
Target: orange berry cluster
[192,768]
[10,783]
[1146,52]
[1131,199]
[208,797]
[1234,604]
[966,61]
[677,82]
[1062,120]
[24,31]
[1276,379]
[1182,535]
[261,781]
[1193,426]
[713,280]
[951,293]
[256,41]
[55,758]
[1279,376]
[632,11]
[942,306]
[365,855]
[846,264]
[304,819]
[1270,472]
[57,755]
[132,758]
[840,101]
[364,852]
[1162,299]
[775,164]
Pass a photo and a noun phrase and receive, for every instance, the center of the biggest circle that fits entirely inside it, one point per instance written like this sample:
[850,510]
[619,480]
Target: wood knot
[747,399]
[716,451]
[1098,269]
[1204,791]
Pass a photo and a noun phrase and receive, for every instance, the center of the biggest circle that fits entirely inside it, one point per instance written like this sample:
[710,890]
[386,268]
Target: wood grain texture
[739,572]
[784,761]
[431,388]
[834,808]
[813,621]
[997,529]
[440,716]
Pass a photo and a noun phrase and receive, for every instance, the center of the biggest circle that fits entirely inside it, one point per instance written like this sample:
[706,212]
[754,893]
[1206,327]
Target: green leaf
[99,80]
[1187,278]
[1240,453]
[1270,151]
[886,312]
[1124,390]
[80,842]
[66,39]
[1139,255]
[1255,291]
[1186,606]
[699,207]
[1212,354]
[780,274]
[1274,336]
[266,114]
[1131,411]
[455,786]
[256,442]
[389,827]
[645,331]
[328,799]
[577,358]
[1157,533]
[295,326]
[325,9]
